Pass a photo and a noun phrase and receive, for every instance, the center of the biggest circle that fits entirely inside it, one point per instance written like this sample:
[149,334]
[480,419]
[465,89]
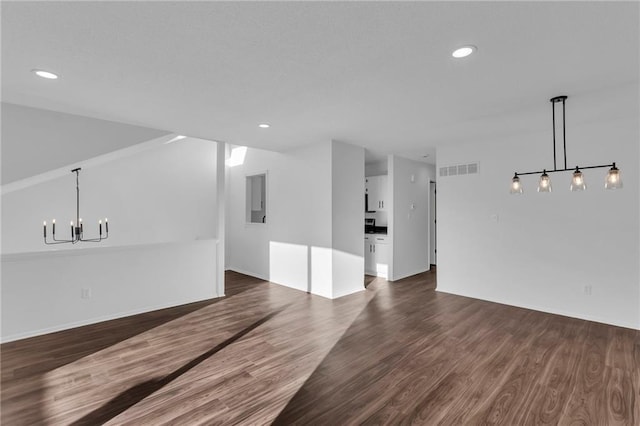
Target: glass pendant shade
[516,186]
[613,179]
[545,183]
[577,181]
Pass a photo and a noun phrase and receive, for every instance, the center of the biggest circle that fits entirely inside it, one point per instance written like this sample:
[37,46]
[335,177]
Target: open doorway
[432,224]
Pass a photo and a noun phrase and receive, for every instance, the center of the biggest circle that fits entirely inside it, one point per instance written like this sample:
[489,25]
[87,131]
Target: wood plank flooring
[396,353]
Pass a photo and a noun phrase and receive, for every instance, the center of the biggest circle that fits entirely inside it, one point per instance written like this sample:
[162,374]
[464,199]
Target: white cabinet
[376,255]
[376,189]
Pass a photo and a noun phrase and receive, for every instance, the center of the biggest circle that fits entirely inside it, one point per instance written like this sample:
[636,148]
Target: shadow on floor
[132,396]
[327,389]
[28,359]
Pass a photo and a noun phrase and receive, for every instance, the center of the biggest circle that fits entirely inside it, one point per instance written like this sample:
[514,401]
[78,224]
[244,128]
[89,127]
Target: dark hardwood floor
[396,353]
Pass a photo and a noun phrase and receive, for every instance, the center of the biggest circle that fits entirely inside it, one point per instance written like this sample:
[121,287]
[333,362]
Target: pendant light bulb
[516,186]
[545,182]
[577,181]
[613,180]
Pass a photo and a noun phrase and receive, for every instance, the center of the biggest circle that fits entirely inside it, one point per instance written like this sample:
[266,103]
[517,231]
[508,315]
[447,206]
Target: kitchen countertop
[376,230]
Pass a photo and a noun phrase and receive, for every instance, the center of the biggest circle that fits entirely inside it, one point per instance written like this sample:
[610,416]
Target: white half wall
[162,247]
[570,253]
[42,293]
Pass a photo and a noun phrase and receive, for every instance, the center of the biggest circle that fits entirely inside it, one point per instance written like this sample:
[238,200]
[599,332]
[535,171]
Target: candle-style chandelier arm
[57,241]
[94,240]
[54,240]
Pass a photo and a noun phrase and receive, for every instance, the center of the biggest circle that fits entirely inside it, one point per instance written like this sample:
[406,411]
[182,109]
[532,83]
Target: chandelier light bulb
[577,181]
[545,183]
[613,180]
[516,186]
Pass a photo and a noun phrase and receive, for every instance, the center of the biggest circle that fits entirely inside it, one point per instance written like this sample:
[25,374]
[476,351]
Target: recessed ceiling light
[45,74]
[264,126]
[464,51]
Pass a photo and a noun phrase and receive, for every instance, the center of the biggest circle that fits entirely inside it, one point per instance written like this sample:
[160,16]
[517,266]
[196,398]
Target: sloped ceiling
[35,141]
[376,74]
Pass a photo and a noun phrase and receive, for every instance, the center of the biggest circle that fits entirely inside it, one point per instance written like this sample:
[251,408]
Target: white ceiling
[376,74]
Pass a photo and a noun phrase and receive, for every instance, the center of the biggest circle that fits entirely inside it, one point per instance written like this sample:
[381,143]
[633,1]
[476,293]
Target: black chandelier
[612,181]
[77,229]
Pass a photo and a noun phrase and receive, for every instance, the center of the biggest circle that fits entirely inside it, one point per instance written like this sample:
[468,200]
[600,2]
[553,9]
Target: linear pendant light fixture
[77,230]
[613,180]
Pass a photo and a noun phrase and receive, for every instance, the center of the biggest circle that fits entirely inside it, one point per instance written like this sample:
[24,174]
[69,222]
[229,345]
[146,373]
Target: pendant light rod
[77,172]
[564,129]
[553,121]
[554,101]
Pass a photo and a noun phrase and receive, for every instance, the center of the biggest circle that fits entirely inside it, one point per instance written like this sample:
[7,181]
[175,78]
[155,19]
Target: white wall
[294,247]
[298,218]
[347,177]
[539,251]
[158,201]
[41,293]
[409,185]
[163,194]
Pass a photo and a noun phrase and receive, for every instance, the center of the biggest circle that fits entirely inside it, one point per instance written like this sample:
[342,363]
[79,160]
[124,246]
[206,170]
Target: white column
[221,208]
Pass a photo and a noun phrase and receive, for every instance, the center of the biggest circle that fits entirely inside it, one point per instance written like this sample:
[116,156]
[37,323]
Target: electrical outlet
[587,290]
[85,293]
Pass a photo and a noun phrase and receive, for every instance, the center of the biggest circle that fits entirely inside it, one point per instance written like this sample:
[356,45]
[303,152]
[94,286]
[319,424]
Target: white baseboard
[244,272]
[412,273]
[548,311]
[347,293]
